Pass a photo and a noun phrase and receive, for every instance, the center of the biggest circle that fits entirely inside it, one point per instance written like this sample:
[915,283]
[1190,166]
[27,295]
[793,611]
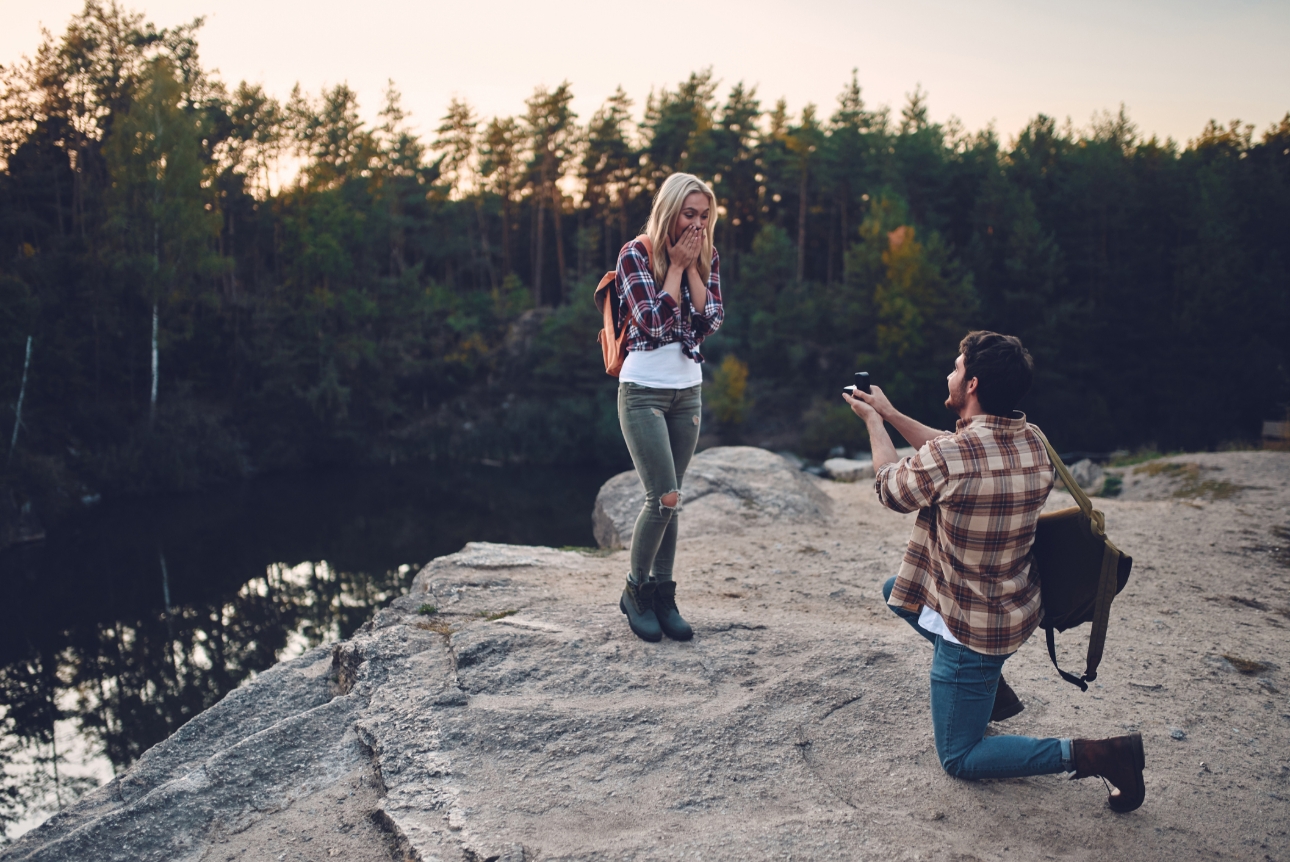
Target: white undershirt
[664,368]
[930,620]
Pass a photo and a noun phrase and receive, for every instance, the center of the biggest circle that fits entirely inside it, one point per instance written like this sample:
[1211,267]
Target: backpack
[613,335]
[1080,571]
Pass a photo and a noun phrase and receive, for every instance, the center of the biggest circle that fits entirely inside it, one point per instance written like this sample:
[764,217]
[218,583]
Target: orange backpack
[613,336]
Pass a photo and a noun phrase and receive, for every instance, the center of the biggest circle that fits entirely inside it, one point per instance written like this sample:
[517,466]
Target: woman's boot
[638,603]
[669,618]
[1120,760]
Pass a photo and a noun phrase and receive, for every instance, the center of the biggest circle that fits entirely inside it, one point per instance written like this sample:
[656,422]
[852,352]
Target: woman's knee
[665,504]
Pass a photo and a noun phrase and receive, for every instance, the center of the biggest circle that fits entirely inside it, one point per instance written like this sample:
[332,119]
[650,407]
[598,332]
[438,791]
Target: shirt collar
[1013,424]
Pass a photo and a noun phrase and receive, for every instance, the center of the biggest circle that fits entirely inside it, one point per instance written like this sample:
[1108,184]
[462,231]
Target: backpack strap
[1106,582]
[609,280]
[1052,654]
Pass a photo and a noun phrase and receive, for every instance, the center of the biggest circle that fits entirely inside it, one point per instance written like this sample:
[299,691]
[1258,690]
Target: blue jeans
[963,686]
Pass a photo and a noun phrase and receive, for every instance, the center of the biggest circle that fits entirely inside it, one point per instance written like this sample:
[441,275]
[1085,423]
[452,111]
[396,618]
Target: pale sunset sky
[1174,65]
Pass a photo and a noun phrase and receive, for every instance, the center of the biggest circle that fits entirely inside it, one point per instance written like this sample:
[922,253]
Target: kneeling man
[966,583]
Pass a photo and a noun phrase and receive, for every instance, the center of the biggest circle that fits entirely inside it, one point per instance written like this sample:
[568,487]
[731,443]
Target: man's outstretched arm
[884,451]
[916,433]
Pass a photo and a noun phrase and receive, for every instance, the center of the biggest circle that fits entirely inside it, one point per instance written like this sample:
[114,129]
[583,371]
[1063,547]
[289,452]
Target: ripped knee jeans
[661,428]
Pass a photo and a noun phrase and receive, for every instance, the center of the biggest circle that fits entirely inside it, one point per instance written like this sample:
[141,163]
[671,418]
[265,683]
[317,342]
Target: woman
[673,300]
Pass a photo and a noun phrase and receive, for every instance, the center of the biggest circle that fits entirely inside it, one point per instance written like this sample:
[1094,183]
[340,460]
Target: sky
[1173,65]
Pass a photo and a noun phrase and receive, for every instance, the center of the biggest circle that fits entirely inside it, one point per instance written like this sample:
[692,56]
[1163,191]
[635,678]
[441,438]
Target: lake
[135,615]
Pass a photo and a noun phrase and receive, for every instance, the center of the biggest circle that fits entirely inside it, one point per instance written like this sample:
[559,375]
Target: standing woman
[673,299]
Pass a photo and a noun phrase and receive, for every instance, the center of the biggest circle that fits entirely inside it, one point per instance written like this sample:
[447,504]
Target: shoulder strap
[1081,499]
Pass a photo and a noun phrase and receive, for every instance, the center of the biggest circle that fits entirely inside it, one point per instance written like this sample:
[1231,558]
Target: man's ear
[971,387]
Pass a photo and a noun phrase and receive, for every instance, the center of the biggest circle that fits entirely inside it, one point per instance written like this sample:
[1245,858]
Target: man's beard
[958,398]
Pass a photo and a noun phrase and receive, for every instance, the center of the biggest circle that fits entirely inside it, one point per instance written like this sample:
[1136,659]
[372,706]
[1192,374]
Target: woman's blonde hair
[667,205]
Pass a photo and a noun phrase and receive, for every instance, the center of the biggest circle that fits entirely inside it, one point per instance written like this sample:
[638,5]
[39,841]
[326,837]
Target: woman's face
[695,210]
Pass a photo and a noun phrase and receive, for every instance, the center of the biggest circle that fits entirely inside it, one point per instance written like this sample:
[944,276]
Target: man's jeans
[963,686]
[661,428]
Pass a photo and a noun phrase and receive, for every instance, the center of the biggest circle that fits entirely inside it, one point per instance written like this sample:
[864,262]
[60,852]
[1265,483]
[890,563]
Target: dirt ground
[1197,659]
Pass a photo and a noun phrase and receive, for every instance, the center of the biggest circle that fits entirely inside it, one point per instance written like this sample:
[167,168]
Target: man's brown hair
[1002,367]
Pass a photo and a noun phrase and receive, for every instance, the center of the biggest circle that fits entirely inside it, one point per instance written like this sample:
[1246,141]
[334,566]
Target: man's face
[957,381]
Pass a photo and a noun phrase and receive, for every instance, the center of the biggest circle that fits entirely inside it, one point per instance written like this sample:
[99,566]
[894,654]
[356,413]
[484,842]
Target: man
[966,583]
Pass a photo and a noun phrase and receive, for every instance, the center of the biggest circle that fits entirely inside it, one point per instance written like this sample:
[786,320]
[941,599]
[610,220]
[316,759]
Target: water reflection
[132,618]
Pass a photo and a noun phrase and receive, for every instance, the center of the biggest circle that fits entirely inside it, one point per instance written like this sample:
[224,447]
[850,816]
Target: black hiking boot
[669,618]
[638,603]
[1006,702]
[1119,760]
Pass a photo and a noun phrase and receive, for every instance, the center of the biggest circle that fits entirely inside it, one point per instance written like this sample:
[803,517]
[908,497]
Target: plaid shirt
[979,492]
[657,319]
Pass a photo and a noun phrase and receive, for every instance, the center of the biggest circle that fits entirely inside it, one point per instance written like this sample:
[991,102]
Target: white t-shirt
[664,368]
[930,620]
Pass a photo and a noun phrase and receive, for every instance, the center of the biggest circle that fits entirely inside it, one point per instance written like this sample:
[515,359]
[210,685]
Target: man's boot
[1006,702]
[1120,760]
[638,603]
[669,618]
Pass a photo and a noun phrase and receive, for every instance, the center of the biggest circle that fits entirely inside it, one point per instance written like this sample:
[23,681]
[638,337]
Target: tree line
[217,281]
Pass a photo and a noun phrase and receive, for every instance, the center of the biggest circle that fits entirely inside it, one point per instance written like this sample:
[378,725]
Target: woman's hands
[683,253]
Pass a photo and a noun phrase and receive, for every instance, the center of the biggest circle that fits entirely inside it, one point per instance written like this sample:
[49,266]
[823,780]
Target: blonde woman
[673,301]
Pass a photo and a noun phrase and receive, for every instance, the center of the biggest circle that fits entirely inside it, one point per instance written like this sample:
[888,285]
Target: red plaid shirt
[979,492]
[657,319]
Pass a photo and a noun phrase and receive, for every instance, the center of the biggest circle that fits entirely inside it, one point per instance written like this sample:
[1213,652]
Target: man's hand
[861,405]
[879,441]
[878,401]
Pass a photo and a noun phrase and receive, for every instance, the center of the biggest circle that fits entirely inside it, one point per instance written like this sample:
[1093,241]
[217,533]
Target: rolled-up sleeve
[709,319]
[915,482]
[651,310]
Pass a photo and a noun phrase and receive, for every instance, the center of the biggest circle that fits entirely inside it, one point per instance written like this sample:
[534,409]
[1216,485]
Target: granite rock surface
[522,721]
[723,485]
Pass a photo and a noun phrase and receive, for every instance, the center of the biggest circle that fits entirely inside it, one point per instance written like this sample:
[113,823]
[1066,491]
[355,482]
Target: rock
[848,470]
[792,458]
[858,468]
[1089,475]
[523,721]
[725,485]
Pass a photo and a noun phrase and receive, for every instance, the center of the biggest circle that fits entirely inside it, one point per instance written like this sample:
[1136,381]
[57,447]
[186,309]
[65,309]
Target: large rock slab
[725,487]
[848,469]
[522,721]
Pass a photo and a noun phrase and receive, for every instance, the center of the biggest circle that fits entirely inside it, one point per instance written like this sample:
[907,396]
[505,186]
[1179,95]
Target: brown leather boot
[1120,760]
[1006,702]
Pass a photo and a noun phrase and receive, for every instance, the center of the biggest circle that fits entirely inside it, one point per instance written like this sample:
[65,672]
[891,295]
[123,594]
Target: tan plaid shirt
[979,492]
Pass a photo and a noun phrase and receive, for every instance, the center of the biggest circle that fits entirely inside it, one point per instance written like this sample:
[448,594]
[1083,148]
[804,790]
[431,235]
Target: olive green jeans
[661,427]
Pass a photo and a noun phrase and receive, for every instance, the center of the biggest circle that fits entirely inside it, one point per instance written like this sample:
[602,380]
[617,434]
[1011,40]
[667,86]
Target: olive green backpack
[1080,571]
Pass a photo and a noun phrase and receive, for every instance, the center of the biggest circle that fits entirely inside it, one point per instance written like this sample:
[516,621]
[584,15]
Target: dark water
[133,616]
